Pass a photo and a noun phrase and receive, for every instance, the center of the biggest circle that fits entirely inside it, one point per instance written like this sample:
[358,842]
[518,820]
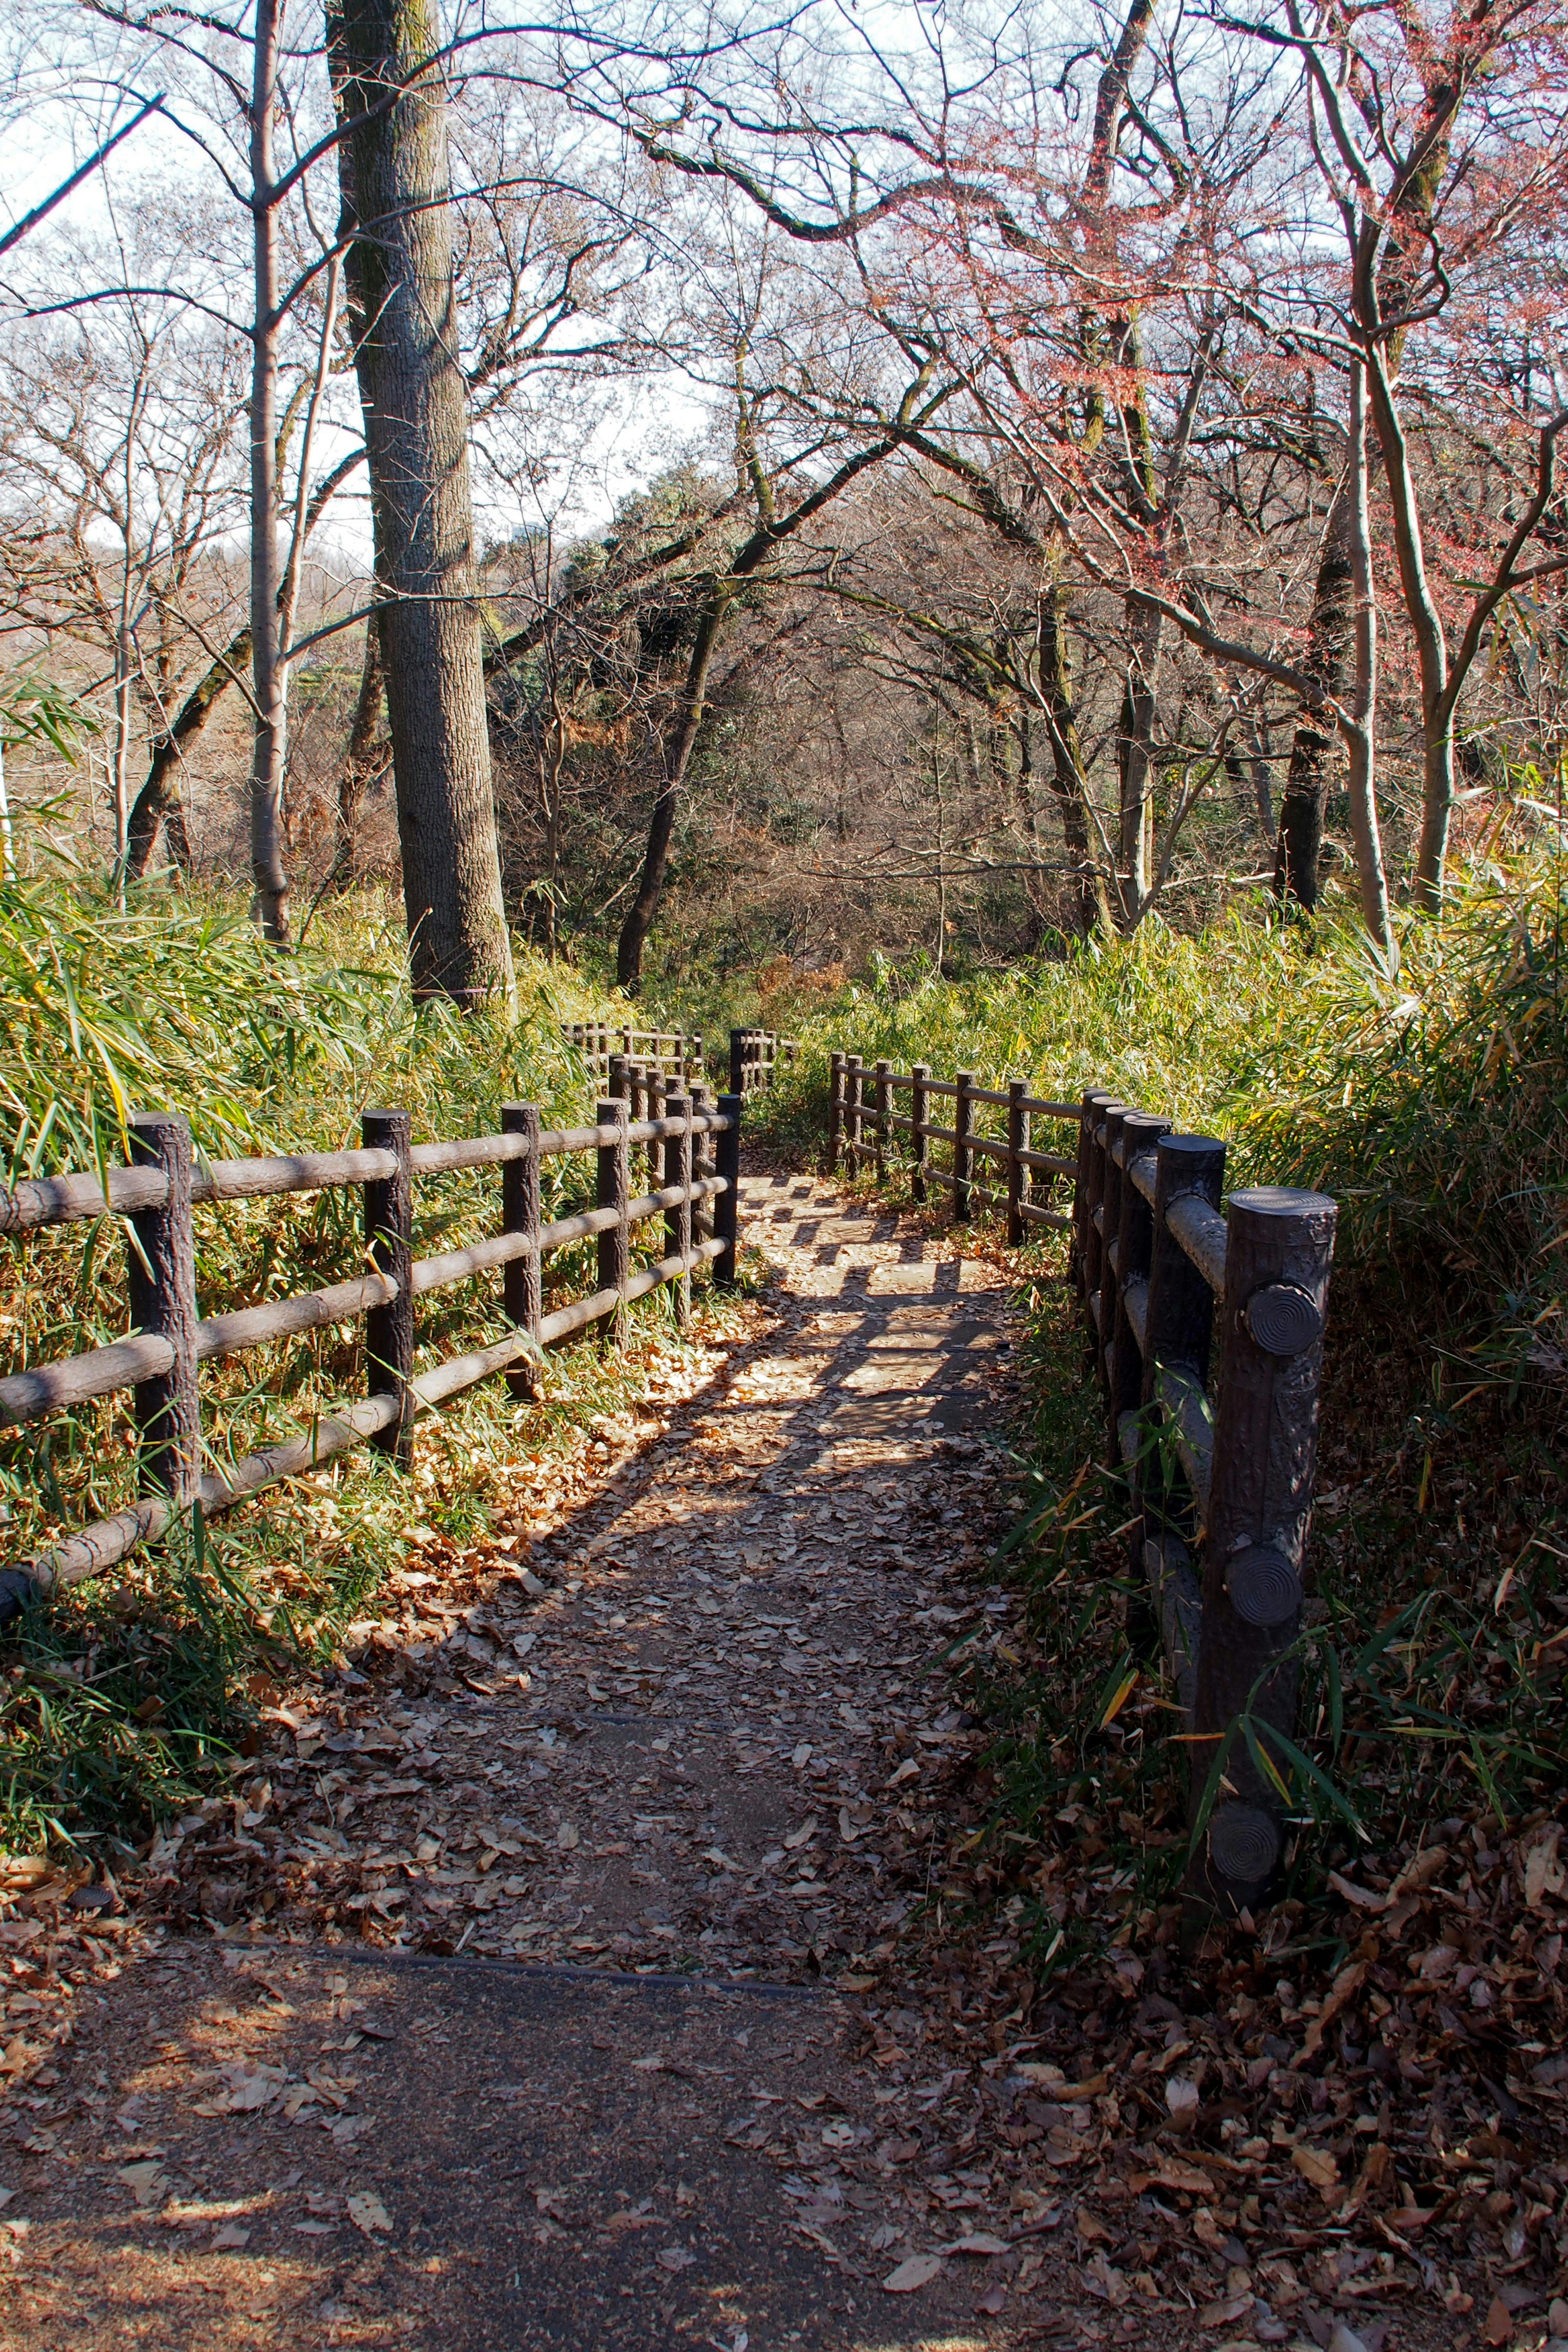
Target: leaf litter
[545,1751]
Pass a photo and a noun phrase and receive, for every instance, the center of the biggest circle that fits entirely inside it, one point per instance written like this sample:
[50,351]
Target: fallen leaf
[979,2242]
[1181,2098]
[914,2271]
[230,2238]
[674,2258]
[367,2212]
[1316,2166]
[1498,2326]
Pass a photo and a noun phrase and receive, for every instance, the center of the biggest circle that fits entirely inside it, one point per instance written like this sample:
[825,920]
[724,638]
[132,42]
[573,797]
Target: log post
[727,1208]
[963,1154]
[1086,1194]
[881,1100]
[614,1192]
[1140,1131]
[702,1162]
[656,1097]
[698,1064]
[920,1142]
[389,1230]
[1017,1174]
[1180,1304]
[678,1221]
[834,1111]
[853,1082]
[161,1282]
[1109,1222]
[523,1277]
[737,1039]
[1278,1248]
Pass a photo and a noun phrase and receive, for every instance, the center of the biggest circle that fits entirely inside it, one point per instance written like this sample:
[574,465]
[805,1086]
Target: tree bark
[269,740]
[1363,738]
[1066,763]
[661,823]
[1304,801]
[158,801]
[359,761]
[395,183]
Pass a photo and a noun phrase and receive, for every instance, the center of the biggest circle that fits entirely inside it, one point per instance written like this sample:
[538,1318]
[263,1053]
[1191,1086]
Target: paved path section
[554,1995]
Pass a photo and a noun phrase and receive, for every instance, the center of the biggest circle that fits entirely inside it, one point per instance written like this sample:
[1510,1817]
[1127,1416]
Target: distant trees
[1083,475]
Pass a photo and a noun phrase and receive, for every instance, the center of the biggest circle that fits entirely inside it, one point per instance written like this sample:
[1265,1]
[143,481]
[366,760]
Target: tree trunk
[1364,709]
[1066,763]
[395,185]
[359,761]
[661,825]
[268,739]
[1304,801]
[158,801]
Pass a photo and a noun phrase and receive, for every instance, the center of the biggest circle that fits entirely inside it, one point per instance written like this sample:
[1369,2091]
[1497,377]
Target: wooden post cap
[1283,1319]
[1263,1586]
[1243,1844]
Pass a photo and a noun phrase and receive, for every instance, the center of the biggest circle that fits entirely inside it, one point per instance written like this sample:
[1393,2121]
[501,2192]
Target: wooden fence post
[1109,1222]
[613,1191]
[727,1208]
[1279,1247]
[737,1039]
[163,1295]
[523,1277]
[853,1082]
[1140,1131]
[657,1094]
[919,1143]
[1017,1174]
[702,1163]
[389,1230]
[678,1221]
[1086,1194]
[834,1111]
[1180,1315]
[962,1156]
[882,1099]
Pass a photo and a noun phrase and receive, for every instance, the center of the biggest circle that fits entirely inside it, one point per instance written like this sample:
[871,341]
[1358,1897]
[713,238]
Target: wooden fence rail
[694,1193]
[677,1054]
[1207,1317]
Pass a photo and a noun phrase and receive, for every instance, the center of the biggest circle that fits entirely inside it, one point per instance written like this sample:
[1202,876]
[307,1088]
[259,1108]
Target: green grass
[122,1699]
[1434,1106]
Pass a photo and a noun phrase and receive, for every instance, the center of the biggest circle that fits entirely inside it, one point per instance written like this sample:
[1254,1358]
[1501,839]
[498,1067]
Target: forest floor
[569,1971]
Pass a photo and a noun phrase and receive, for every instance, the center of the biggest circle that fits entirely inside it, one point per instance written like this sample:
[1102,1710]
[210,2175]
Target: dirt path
[554,1998]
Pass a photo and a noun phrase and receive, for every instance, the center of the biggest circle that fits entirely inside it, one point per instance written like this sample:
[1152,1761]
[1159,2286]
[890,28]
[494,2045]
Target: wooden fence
[756,1056]
[1207,1319]
[676,1054]
[692,1157]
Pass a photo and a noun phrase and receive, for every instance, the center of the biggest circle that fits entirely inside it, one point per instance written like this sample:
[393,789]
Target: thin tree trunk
[158,801]
[1362,780]
[1068,781]
[1304,801]
[661,823]
[270,739]
[394,186]
[358,762]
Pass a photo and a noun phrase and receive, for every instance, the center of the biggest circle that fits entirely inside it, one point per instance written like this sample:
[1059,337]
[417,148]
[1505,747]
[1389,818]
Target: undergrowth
[121,1698]
[1434,1105]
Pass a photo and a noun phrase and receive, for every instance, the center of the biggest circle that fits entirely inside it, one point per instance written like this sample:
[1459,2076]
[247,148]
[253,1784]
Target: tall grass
[118,1700]
[1434,1106]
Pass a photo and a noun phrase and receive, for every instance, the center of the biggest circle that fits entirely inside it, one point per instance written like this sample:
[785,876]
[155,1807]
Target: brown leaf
[1316,2166]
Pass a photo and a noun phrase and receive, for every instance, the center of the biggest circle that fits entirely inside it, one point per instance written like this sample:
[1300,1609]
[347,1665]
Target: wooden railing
[693,1149]
[676,1054]
[756,1056]
[1207,1317]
